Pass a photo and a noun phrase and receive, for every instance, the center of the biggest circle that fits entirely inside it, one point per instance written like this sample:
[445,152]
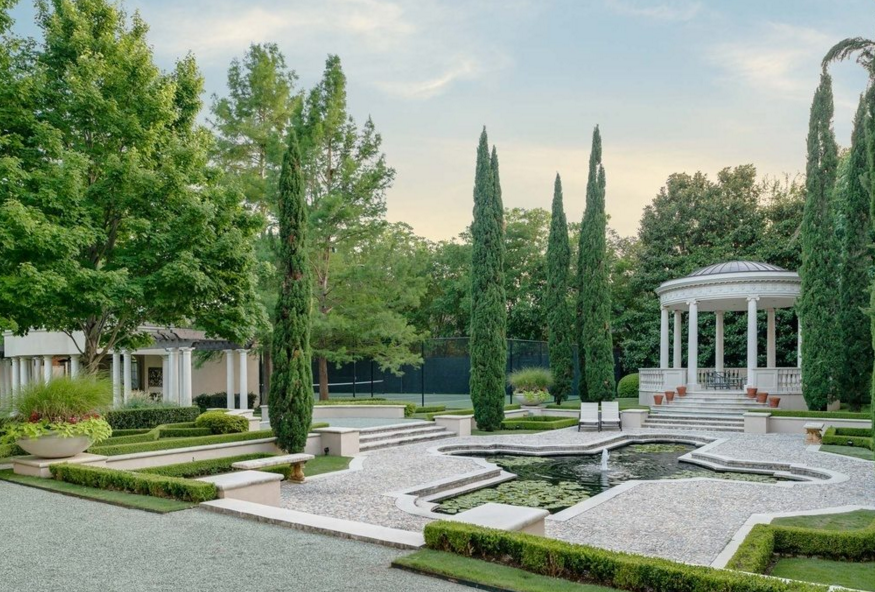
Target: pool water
[558,482]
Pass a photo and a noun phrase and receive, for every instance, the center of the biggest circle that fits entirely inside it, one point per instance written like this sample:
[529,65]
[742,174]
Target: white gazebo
[733,286]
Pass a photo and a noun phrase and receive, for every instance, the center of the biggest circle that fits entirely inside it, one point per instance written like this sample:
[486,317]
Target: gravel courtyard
[688,521]
[55,542]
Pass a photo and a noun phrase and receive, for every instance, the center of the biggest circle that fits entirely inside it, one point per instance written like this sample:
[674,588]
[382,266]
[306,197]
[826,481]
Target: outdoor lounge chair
[611,415]
[589,416]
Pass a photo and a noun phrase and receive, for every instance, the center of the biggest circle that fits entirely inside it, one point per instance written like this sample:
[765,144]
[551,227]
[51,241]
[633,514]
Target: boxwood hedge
[171,443]
[149,417]
[202,468]
[844,436]
[823,414]
[186,490]
[542,422]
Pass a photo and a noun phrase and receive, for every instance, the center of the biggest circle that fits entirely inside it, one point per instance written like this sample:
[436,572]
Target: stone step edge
[697,421]
[346,529]
[406,440]
[396,433]
[663,426]
[435,498]
[396,426]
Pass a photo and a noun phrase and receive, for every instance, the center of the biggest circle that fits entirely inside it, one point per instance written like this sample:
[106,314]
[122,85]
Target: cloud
[425,89]
[663,10]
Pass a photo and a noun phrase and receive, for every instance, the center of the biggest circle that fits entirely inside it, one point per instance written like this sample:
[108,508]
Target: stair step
[686,426]
[405,440]
[394,434]
[410,425]
[498,479]
[714,418]
[699,413]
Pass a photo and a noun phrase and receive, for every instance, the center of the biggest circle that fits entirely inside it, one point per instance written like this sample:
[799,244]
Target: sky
[674,86]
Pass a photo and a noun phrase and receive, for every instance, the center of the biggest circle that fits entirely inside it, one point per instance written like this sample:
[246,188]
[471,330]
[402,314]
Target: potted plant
[669,396]
[682,390]
[61,418]
[762,396]
[531,385]
[774,402]
[657,399]
[751,392]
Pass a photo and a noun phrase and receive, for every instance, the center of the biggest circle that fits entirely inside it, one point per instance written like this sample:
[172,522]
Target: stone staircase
[716,411]
[400,434]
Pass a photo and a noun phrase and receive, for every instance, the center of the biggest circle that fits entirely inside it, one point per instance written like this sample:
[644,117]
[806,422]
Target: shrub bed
[823,414]
[627,388]
[430,416]
[212,401]
[220,422]
[149,417]
[170,430]
[171,443]
[155,485]
[848,437]
[409,408]
[542,422]
[184,432]
[581,563]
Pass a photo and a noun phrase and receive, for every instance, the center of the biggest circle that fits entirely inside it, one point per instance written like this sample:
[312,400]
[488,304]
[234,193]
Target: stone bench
[296,460]
[813,432]
[250,486]
[504,517]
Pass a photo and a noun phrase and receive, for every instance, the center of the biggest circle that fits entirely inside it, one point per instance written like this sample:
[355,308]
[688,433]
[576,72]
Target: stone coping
[272,461]
[452,417]
[501,516]
[347,529]
[42,463]
[153,453]
[240,479]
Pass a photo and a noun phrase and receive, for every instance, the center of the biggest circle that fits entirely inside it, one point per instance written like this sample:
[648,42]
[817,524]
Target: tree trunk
[323,379]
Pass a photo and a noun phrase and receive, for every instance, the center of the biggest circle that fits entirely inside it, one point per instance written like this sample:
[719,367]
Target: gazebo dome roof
[735,267]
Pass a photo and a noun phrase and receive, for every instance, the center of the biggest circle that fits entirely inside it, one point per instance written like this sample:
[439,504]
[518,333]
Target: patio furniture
[611,415]
[589,416]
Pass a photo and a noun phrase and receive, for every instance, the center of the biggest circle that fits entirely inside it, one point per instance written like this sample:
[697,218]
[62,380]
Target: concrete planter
[53,446]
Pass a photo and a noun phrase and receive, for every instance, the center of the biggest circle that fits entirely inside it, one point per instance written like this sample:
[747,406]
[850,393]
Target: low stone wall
[367,411]
[766,423]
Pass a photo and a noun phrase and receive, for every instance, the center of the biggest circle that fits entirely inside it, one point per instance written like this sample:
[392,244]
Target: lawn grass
[823,571]
[147,503]
[845,521]
[489,575]
[326,464]
[855,451]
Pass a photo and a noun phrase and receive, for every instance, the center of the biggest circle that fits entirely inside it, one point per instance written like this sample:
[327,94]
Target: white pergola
[732,286]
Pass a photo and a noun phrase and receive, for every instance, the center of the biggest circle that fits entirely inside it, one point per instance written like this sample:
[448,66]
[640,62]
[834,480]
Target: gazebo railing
[790,380]
[650,379]
[708,378]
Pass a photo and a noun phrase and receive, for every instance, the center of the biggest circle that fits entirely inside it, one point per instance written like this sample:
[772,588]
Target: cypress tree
[291,386]
[488,345]
[595,344]
[560,324]
[853,373]
[817,306]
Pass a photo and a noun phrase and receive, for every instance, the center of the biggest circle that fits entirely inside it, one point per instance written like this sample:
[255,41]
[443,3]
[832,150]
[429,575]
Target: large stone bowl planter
[55,446]
[521,400]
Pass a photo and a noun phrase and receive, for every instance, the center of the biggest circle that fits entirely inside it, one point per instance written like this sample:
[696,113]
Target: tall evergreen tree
[291,390]
[853,375]
[560,323]
[594,288]
[818,299]
[488,345]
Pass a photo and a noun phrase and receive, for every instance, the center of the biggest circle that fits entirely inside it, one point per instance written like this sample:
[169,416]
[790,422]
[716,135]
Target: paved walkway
[688,521]
[54,542]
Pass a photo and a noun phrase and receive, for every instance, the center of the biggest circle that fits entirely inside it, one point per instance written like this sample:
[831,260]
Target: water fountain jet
[604,459]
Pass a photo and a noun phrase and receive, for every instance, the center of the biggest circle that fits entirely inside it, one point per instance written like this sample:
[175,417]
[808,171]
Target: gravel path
[688,521]
[55,542]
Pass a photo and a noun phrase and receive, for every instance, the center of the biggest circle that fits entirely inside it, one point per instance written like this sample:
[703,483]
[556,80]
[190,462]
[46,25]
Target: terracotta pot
[657,399]
[773,402]
[669,396]
[751,392]
[762,397]
[682,391]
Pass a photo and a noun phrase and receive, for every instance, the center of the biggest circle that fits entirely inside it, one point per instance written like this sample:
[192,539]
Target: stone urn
[53,446]
[751,392]
[774,402]
[657,399]
[762,396]
[682,391]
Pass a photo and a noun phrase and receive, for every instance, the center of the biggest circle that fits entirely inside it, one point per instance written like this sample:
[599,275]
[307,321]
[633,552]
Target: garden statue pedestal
[813,432]
[34,466]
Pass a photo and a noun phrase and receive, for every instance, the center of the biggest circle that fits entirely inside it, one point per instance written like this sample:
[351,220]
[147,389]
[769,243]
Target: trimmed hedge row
[430,416]
[171,443]
[185,490]
[823,414]
[170,430]
[202,468]
[220,400]
[409,408]
[580,563]
[221,422]
[149,417]
[539,423]
[120,433]
[185,432]
[843,436]
[765,540]
[431,409]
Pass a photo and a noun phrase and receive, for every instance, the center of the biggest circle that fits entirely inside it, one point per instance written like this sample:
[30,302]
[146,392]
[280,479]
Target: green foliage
[291,384]
[431,409]
[539,423]
[409,408]
[755,553]
[488,345]
[94,428]
[817,305]
[560,559]
[627,388]
[854,370]
[143,484]
[220,422]
[531,379]
[839,574]
[821,414]
[560,321]
[430,416]
[140,400]
[64,398]
[169,432]
[594,341]
[202,468]
[848,437]
[150,417]
[97,140]
[171,443]
[532,494]
[173,430]
[220,401]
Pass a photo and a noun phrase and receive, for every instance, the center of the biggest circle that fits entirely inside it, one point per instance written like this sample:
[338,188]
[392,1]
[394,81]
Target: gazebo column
[229,378]
[244,381]
[74,365]
[770,339]
[751,339]
[116,378]
[677,340]
[126,375]
[663,337]
[173,376]
[48,369]
[16,376]
[185,394]
[165,377]
[25,368]
[693,345]
[718,341]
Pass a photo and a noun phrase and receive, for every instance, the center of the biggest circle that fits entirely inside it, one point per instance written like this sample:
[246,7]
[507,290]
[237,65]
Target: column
[172,378]
[116,378]
[677,340]
[244,382]
[663,338]
[718,342]
[770,339]
[229,377]
[185,395]
[4,389]
[751,339]
[48,370]
[798,343]
[16,376]
[24,370]
[126,375]
[693,345]
[165,378]
[74,365]
[36,374]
